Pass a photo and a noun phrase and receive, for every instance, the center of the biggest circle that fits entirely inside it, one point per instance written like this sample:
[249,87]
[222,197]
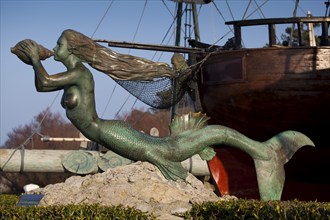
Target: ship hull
[261,92]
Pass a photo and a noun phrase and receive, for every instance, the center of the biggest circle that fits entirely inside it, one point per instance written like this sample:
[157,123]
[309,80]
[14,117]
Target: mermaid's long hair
[116,65]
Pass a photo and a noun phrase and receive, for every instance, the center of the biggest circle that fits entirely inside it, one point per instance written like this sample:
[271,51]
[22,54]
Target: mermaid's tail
[269,157]
[270,173]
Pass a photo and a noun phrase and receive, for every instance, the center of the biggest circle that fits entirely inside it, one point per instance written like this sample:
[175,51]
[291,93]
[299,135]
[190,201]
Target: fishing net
[156,84]
[160,92]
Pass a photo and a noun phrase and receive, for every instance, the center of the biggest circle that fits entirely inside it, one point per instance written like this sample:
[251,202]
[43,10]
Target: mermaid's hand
[26,50]
[30,48]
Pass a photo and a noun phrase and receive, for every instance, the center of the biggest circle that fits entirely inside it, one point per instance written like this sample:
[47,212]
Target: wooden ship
[263,91]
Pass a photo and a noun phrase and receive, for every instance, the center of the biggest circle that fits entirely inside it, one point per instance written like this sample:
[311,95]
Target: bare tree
[146,120]
[45,123]
[29,136]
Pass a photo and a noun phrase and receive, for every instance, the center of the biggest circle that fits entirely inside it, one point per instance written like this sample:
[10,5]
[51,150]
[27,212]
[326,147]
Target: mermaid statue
[190,134]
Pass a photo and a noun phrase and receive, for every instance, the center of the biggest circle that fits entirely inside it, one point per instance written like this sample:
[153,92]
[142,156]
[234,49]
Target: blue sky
[43,21]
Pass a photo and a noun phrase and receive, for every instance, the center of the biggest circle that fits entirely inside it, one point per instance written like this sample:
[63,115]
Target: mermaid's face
[61,51]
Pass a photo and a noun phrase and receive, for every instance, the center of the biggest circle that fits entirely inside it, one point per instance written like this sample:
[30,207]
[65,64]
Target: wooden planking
[283,89]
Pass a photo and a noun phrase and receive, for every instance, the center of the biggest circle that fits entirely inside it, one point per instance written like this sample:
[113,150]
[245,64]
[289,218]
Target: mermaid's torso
[70,98]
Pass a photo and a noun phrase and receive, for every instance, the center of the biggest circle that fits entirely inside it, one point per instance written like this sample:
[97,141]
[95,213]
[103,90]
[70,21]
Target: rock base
[140,185]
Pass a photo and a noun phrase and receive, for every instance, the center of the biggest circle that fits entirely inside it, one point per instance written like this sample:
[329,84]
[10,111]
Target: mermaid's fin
[207,153]
[191,121]
[172,170]
[270,173]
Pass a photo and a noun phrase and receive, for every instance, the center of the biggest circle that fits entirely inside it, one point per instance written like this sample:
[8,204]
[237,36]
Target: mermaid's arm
[45,82]
[42,78]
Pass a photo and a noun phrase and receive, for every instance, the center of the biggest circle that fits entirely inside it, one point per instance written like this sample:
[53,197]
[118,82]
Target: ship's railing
[271,22]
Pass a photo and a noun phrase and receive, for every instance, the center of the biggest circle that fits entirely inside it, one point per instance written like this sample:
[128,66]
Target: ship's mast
[193,11]
[190,10]
[178,24]
[327,4]
[195,19]
[292,28]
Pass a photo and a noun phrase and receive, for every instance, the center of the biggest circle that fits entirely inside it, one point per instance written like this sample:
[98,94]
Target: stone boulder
[140,185]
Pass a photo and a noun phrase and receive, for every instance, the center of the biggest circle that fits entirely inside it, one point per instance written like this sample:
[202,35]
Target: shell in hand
[44,53]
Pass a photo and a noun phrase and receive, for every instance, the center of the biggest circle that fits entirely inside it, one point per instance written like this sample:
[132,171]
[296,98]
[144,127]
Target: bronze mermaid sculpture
[74,48]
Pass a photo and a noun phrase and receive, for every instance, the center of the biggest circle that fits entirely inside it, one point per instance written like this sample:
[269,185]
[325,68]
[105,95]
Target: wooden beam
[272,34]
[44,161]
[33,160]
[155,47]
[279,21]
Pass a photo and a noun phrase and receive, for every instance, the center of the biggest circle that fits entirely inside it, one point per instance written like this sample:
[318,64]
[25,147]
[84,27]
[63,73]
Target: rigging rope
[231,13]
[223,18]
[97,27]
[108,102]
[301,9]
[117,113]
[263,16]
[139,23]
[36,131]
[135,34]
[218,10]
[136,99]
[106,12]
[47,112]
[21,147]
[231,29]
[168,30]
[246,10]
[259,9]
